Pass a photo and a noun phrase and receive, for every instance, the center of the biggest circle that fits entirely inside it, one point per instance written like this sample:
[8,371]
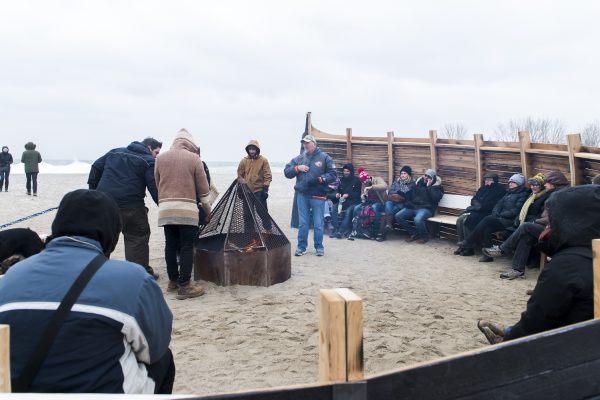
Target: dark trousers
[521,242]
[484,229]
[4,173]
[180,239]
[31,180]
[260,196]
[162,373]
[136,232]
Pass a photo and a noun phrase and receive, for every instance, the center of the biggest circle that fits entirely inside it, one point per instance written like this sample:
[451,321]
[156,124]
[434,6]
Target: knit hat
[362,175]
[431,173]
[349,167]
[537,180]
[492,175]
[91,214]
[406,169]
[518,179]
[557,178]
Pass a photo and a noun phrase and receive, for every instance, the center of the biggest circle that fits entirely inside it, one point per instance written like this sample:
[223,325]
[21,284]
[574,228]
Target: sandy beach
[420,301]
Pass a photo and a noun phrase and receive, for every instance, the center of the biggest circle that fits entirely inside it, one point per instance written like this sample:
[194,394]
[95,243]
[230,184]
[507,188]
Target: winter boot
[189,291]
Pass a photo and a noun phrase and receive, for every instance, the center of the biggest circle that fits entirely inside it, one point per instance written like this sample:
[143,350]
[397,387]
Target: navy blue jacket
[321,166]
[124,174]
[119,324]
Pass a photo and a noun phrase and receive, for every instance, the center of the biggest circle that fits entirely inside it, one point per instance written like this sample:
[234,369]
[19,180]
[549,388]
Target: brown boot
[189,291]
[389,222]
[173,286]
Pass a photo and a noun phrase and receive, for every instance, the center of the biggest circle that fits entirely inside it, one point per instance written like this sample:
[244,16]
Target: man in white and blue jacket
[313,170]
[116,337]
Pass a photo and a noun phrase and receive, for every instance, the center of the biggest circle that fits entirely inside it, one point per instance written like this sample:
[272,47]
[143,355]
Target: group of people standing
[31,158]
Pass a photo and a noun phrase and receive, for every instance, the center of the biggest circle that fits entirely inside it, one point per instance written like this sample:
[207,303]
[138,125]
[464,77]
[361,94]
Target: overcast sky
[81,77]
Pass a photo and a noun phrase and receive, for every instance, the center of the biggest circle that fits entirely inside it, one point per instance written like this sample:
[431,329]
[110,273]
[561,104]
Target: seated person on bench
[522,241]
[481,206]
[396,196]
[502,217]
[348,196]
[373,194]
[421,204]
[564,293]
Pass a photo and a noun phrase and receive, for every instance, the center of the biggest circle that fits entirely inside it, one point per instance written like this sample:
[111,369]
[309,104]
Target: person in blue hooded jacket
[124,174]
[313,170]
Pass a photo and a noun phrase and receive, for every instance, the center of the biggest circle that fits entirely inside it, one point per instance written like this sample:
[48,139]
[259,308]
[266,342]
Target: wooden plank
[587,156]
[349,144]
[433,138]
[5,359]
[548,152]
[596,253]
[332,337]
[525,144]
[354,334]
[478,139]
[574,146]
[500,149]
[390,157]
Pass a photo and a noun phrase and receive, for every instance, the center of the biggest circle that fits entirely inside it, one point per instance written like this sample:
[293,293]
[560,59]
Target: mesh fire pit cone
[242,244]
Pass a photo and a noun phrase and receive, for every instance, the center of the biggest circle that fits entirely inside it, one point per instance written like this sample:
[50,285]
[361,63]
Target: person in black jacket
[348,196]
[481,206]
[124,174]
[502,216]
[564,293]
[5,161]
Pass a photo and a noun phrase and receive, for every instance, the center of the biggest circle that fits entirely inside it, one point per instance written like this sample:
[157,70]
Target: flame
[251,246]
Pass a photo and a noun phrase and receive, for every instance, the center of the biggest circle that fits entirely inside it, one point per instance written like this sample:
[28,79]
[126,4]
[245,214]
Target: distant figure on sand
[254,170]
[124,174]
[5,161]
[181,181]
[31,159]
[313,170]
[115,337]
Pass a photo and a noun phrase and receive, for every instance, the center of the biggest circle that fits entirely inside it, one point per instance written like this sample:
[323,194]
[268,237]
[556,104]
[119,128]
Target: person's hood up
[574,215]
[492,175]
[437,181]
[29,146]
[138,147]
[184,140]
[349,167]
[5,147]
[254,143]
[88,213]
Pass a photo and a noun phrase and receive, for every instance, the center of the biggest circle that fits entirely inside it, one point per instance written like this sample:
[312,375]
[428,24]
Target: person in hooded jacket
[31,159]
[5,161]
[116,337]
[348,196]
[373,190]
[531,224]
[254,170]
[124,174]
[396,196]
[503,216]
[181,180]
[564,293]
[481,206]
[421,203]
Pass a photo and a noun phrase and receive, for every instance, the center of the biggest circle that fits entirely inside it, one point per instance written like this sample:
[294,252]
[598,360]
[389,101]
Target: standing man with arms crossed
[124,174]
[313,170]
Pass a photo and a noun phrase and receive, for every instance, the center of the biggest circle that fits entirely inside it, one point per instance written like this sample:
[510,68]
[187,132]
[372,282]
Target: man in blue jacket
[124,174]
[313,170]
[116,337]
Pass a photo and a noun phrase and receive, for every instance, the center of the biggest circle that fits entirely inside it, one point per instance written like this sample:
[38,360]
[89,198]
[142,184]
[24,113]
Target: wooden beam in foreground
[340,336]
[5,359]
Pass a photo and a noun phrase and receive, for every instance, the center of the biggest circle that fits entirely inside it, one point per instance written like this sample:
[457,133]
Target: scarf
[528,203]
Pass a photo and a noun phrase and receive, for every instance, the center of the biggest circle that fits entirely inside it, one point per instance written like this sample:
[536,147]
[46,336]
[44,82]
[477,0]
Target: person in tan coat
[182,187]
[254,170]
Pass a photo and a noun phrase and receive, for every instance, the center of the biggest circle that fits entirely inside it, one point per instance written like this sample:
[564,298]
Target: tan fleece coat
[181,183]
[256,171]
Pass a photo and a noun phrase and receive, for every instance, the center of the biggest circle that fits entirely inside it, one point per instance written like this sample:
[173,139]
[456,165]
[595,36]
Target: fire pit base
[255,267]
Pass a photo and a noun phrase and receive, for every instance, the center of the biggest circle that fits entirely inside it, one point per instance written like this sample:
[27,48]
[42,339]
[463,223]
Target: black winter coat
[483,202]
[5,160]
[535,209]
[423,196]
[350,186]
[509,206]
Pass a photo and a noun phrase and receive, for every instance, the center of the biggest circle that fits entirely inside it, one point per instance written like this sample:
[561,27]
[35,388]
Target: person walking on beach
[314,170]
[181,180]
[254,170]
[5,161]
[124,174]
[31,159]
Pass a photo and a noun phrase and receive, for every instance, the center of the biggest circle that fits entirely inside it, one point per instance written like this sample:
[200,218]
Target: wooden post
[433,139]
[478,140]
[574,146]
[524,144]
[340,336]
[349,144]
[390,136]
[596,255]
[5,359]
[309,122]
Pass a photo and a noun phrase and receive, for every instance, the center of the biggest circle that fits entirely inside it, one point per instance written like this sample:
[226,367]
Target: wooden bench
[450,207]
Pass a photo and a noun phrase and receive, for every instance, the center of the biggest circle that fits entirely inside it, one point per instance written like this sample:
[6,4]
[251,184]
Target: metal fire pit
[242,244]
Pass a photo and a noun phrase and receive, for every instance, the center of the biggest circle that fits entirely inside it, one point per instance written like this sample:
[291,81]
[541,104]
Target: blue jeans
[305,203]
[392,208]
[419,215]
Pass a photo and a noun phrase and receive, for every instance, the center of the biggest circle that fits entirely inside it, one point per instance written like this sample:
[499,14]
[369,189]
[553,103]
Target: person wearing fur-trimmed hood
[31,160]
[254,170]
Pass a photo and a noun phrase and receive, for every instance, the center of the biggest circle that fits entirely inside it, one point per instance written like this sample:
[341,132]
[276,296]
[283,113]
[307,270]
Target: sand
[420,301]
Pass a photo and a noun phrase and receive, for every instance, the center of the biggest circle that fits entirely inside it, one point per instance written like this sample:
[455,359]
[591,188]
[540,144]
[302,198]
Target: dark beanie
[349,167]
[91,214]
[406,169]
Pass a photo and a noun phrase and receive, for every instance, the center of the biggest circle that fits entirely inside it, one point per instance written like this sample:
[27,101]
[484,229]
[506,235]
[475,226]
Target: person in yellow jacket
[254,170]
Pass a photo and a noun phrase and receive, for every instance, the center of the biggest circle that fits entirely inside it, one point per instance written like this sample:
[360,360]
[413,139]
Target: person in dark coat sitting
[347,196]
[564,293]
[481,206]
